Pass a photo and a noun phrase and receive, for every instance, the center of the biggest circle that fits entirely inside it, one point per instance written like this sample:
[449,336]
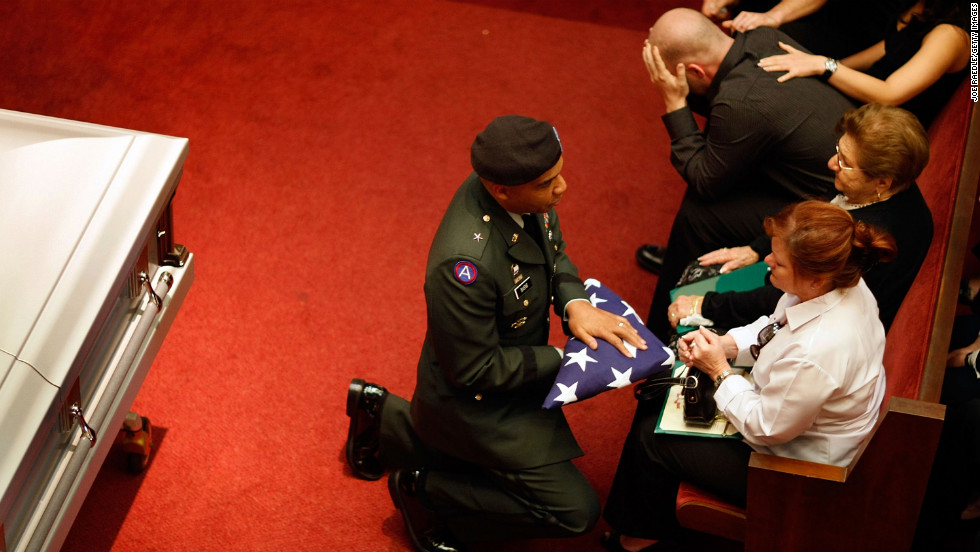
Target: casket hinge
[177,256]
[168,252]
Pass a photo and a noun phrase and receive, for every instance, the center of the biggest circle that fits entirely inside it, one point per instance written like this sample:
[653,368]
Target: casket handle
[149,287]
[87,431]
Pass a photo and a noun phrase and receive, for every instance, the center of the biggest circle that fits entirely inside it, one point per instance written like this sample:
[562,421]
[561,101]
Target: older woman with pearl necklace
[880,153]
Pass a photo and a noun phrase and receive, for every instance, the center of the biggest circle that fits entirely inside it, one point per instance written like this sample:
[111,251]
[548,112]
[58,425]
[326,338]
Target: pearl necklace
[842,201]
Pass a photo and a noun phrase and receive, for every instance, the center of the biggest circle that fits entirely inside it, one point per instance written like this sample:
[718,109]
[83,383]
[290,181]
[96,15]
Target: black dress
[840,27]
[905,216]
[900,46]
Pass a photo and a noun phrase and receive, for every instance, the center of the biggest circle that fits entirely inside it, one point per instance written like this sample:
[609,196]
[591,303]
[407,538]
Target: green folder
[743,279]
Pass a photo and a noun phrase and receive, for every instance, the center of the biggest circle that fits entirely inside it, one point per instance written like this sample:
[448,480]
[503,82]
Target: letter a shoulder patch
[465,272]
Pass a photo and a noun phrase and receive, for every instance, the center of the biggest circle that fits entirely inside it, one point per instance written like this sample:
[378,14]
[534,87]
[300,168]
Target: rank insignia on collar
[514,270]
[477,237]
[513,239]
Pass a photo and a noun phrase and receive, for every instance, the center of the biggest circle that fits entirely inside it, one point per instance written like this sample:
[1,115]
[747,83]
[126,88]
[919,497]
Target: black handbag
[700,408]
[699,395]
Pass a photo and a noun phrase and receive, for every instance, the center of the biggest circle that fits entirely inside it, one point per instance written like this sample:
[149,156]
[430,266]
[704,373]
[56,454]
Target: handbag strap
[652,387]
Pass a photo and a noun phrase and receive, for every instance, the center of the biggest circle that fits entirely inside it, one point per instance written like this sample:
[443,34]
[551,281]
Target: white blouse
[816,389]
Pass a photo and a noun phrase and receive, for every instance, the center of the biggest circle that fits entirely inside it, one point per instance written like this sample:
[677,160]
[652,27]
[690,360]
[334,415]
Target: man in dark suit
[474,455]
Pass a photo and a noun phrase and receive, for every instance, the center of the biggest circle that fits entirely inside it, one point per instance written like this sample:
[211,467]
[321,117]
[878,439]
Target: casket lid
[51,192]
[78,201]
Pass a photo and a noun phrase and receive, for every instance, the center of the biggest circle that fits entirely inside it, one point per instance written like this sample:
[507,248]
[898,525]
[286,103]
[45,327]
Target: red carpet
[326,140]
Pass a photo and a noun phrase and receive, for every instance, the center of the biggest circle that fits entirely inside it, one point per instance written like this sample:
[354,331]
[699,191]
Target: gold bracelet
[694,307]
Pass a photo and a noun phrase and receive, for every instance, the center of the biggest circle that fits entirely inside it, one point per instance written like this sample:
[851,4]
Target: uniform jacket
[486,365]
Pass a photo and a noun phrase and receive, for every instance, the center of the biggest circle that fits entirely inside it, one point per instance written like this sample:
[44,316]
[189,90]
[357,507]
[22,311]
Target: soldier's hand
[588,323]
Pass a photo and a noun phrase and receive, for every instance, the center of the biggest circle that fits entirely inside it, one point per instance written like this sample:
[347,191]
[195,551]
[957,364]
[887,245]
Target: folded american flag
[586,373]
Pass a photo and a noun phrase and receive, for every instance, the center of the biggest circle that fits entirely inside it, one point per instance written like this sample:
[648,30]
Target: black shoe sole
[368,467]
[646,263]
[394,489]
[610,541]
[354,390]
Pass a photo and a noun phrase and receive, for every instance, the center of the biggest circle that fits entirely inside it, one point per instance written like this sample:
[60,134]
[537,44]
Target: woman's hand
[730,258]
[682,307]
[706,350]
[746,21]
[957,358]
[717,9]
[795,63]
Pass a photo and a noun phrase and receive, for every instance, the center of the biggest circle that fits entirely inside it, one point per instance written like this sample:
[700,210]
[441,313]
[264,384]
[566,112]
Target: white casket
[85,233]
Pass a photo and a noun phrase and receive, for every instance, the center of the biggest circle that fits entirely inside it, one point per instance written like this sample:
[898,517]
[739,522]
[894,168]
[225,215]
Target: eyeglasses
[840,163]
[765,336]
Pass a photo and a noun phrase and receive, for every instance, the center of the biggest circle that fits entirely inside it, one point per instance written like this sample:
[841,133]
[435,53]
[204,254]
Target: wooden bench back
[915,353]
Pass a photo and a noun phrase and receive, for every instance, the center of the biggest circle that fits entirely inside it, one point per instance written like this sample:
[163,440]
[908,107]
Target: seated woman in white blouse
[816,386]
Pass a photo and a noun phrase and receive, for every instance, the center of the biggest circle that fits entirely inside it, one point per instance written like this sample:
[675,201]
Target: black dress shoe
[424,528]
[364,403]
[651,257]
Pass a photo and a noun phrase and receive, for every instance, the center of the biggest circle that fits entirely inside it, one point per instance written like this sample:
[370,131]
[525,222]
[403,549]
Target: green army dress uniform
[484,371]
[486,365]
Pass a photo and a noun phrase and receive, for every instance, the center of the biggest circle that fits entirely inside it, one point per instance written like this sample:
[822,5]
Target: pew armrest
[871,504]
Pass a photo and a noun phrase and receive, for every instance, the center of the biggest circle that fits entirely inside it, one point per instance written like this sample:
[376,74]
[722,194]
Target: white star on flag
[576,381]
[621,379]
[630,348]
[581,358]
[629,311]
[567,394]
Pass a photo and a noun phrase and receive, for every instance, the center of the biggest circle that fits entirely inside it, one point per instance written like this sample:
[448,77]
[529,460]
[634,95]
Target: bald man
[765,144]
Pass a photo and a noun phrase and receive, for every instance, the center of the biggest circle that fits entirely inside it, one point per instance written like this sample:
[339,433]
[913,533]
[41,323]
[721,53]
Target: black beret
[515,150]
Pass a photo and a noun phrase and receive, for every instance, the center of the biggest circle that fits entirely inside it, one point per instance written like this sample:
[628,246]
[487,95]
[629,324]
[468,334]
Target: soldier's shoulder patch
[465,272]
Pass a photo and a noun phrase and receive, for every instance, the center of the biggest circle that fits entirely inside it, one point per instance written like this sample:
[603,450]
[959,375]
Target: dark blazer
[486,365]
[906,216]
